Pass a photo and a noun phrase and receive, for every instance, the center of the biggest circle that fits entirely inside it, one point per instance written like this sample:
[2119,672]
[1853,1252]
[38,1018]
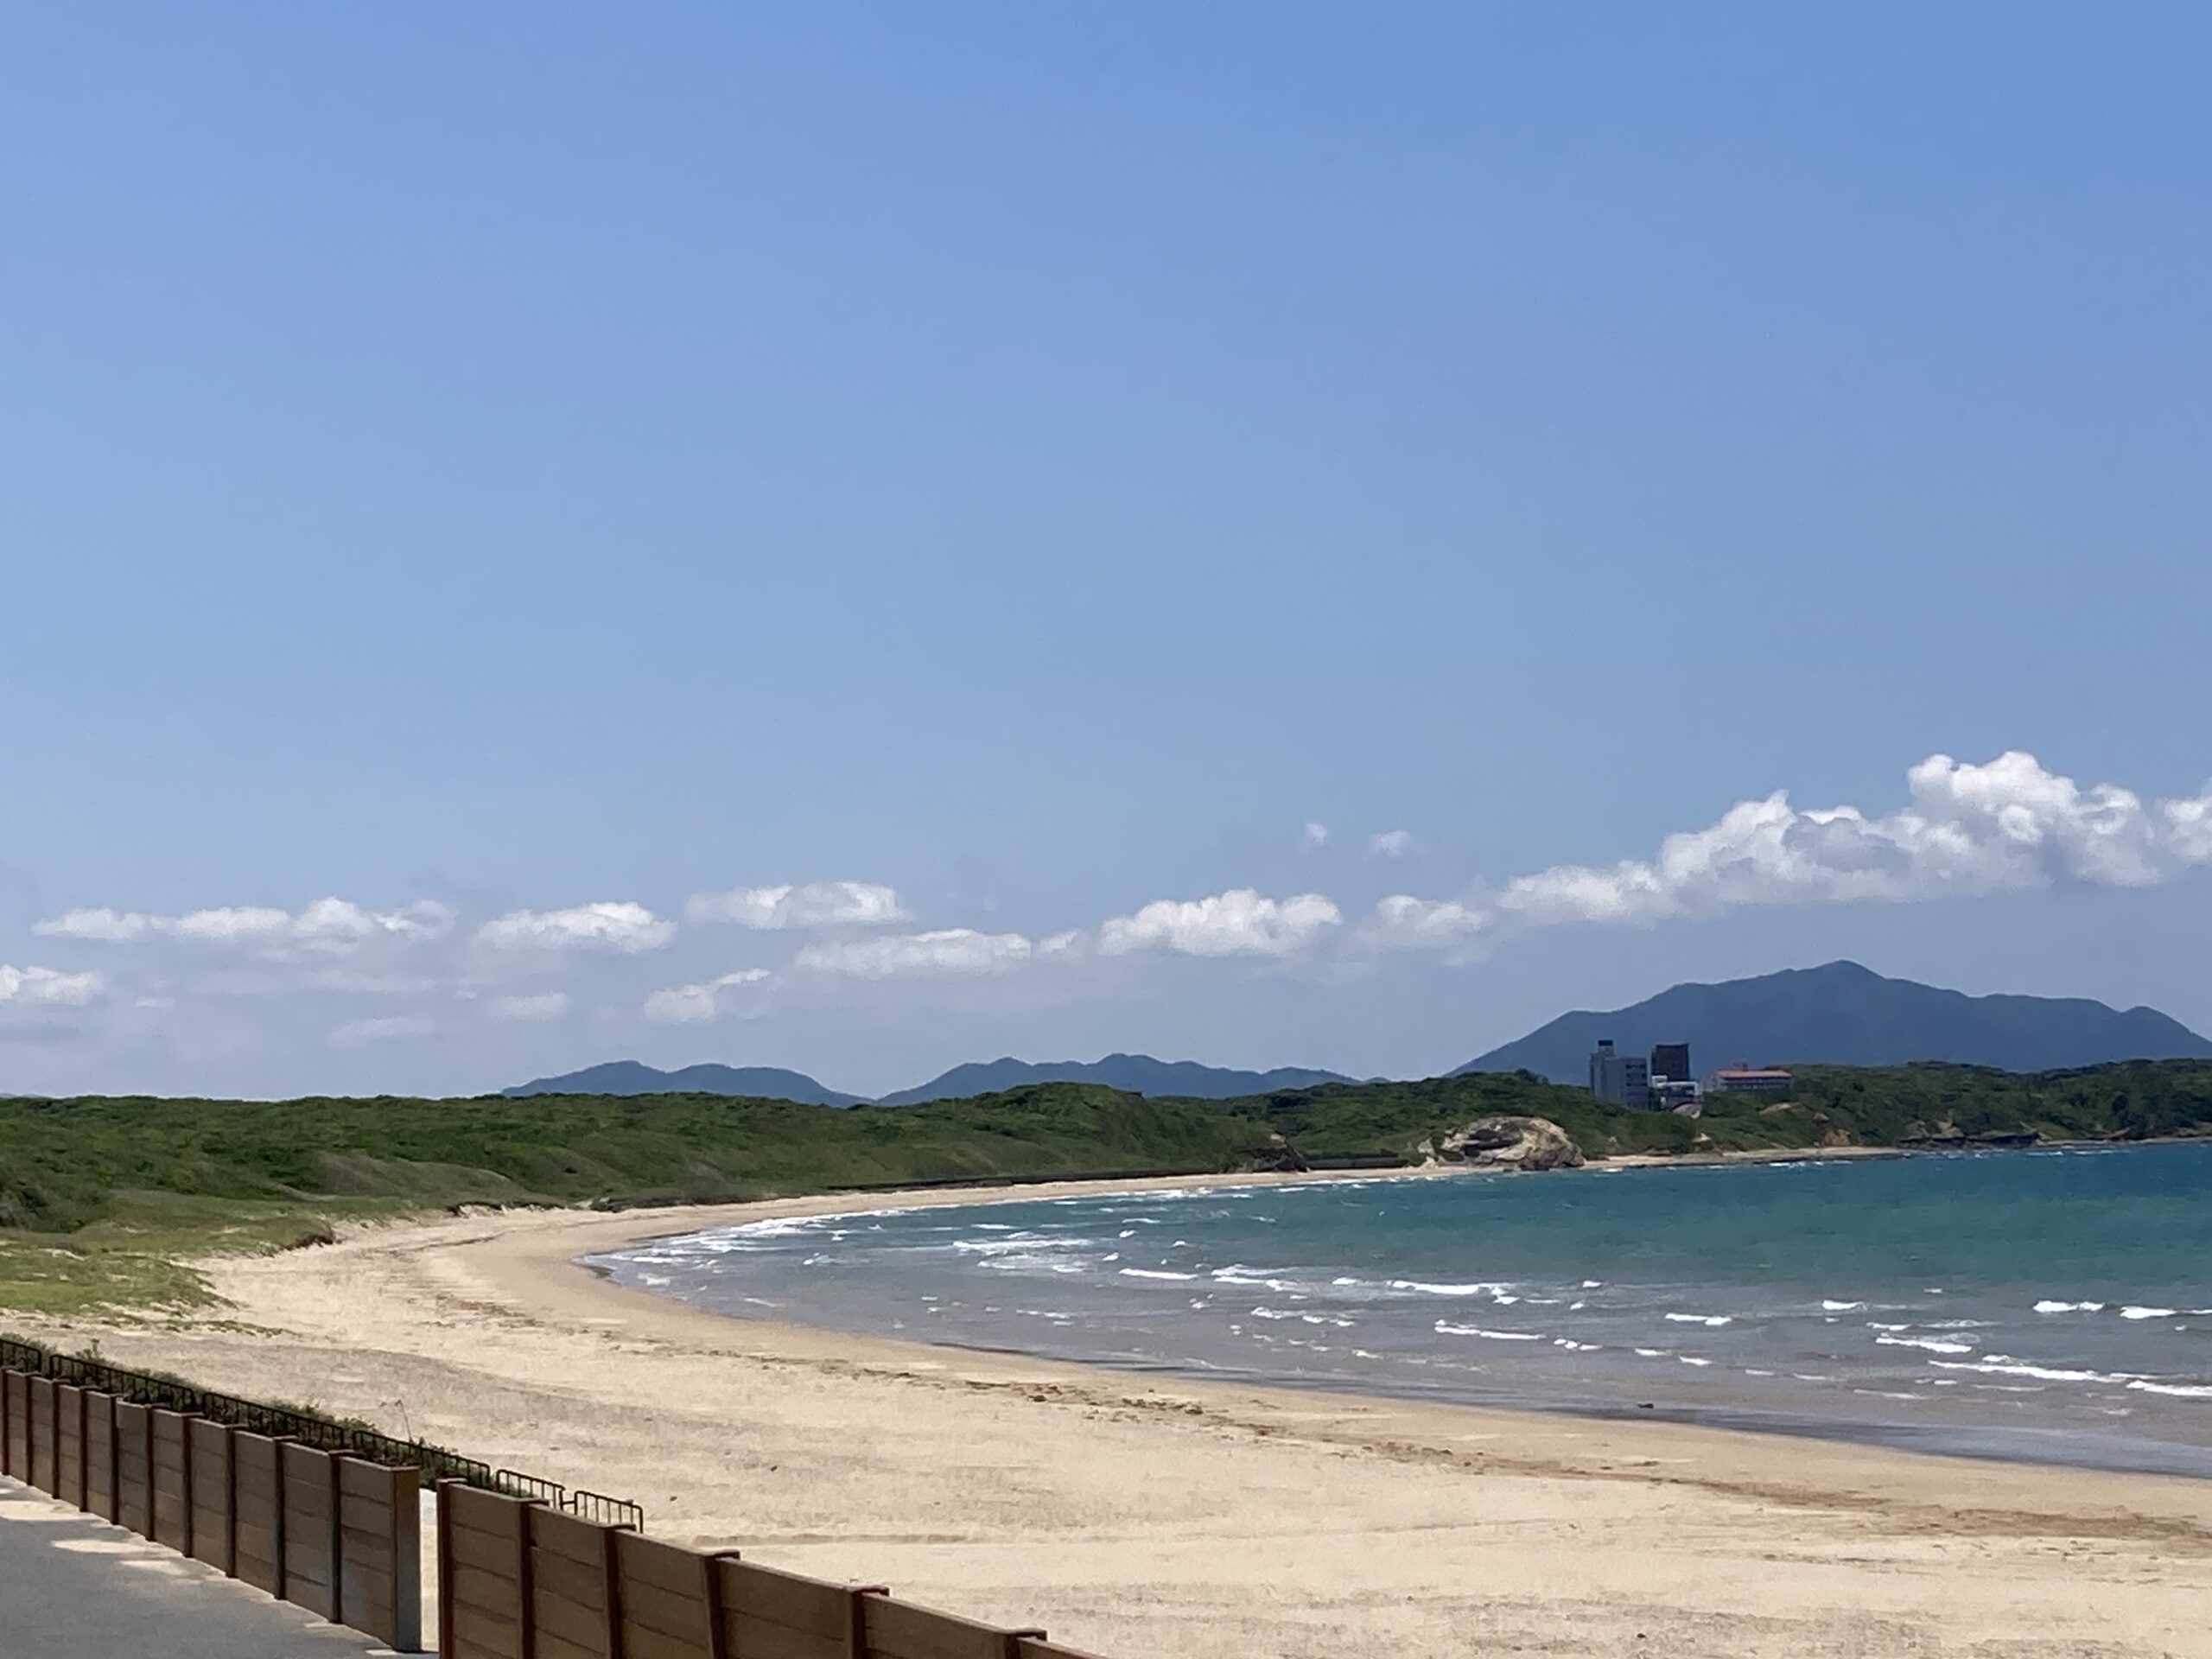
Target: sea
[2049,1306]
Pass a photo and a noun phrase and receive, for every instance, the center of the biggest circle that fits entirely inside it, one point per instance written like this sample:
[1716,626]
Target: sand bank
[1191,1521]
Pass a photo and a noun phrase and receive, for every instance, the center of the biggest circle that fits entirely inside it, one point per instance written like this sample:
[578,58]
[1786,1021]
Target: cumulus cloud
[942,952]
[1402,922]
[2008,824]
[687,1004]
[1238,923]
[535,1009]
[1391,843]
[818,903]
[49,987]
[325,925]
[606,925]
[1315,834]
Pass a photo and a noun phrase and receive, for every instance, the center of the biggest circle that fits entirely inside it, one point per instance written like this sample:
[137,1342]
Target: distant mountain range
[1839,1014]
[1844,1014]
[636,1077]
[1135,1074]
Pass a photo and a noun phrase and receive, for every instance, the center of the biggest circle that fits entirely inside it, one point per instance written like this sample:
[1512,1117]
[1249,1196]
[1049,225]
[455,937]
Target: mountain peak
[636,1077]
[1135,1074]
[1843,1012]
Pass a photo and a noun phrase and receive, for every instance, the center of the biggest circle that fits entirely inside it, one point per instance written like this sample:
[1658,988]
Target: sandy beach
[1143,1518]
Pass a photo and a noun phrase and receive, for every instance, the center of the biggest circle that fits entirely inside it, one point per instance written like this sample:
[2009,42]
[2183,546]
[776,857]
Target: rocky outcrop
[1511,1143]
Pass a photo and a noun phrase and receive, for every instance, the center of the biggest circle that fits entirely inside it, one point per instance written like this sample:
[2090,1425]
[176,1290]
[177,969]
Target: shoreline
[1150,1517]
[1986,1443]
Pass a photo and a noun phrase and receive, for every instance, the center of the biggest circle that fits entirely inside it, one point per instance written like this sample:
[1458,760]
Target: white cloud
[1404,923]
[1315,836]
[818,903]
[1238,923]
[686,1004]
[326,924]
[1391,843]
[545,1005]
[49,987]
[606,925]
[1969,828]
[389,1028]
[2189,826]
[945,950]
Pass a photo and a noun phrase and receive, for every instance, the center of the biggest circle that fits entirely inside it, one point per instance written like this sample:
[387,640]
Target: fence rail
[603,1510]
[435,1463]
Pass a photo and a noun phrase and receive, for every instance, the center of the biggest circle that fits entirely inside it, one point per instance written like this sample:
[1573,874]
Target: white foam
[1714,1320]
[1842,1308]
[2179,1391]
[2148,1312]
[1478,1289]
[2006,1365]
[1933,1344]
[1445,1327]
[1690,1359]
[2070,1307]
[1156,1272]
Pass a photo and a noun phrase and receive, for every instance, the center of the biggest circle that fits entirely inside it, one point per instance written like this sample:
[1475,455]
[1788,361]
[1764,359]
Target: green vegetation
[101,1199]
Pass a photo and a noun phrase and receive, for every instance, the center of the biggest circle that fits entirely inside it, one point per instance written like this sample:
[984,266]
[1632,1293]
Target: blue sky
[489,462]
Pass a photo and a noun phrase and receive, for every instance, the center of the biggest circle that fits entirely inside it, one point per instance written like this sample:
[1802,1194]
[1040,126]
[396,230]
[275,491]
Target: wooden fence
[519,1580]
[338,1535]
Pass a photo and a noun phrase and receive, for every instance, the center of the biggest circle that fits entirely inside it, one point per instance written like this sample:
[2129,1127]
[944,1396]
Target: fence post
[856,1618]
[337,1542]
[276,1518]
[185,1437]
[84,1449]
[526,1638]
[445,1567]
[611,1574]
[114,1464]
[407,1559]
[717,1631]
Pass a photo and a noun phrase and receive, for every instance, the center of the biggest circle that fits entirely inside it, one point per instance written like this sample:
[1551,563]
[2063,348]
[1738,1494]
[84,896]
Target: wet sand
[1182,1519]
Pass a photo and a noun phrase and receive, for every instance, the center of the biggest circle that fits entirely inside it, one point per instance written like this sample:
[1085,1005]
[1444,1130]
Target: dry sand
[1182,1521]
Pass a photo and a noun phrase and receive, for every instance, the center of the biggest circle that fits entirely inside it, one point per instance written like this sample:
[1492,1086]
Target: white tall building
[1620,1079]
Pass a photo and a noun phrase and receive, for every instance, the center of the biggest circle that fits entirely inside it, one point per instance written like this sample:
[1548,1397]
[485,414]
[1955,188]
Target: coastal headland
[1182,1519]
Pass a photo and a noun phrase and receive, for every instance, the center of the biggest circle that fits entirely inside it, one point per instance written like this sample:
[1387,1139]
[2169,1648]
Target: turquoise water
[2054,1304]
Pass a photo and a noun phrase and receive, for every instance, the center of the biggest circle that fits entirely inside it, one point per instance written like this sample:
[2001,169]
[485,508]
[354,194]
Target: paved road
[73,1587]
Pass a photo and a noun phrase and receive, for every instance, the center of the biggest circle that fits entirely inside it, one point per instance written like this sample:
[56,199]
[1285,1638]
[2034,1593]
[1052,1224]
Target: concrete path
[74,1587]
